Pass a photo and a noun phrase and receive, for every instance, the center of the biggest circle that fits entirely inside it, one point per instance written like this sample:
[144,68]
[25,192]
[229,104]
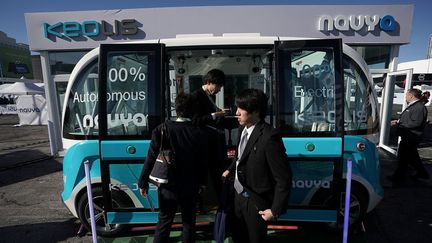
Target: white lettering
[138,119]
[323,20]
[142,95]
[371,22]
[356,26]
[114,96]
[93,97]
[311,184]
[96,122]
[356,23]
[329,117]
[298,91]
[76,98]
[88,121]
[341,23]
[301,91]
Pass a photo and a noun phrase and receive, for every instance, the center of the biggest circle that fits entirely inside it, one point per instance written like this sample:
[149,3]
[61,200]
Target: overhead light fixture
[256,68]
[181,70]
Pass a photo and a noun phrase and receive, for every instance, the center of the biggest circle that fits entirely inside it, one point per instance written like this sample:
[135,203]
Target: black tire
[102,229]
[358,205]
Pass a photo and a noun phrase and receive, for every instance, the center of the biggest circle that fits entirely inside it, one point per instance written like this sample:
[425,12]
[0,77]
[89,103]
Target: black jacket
[264,169]
[189,144]
[204,108]
[412,122]
[215,129]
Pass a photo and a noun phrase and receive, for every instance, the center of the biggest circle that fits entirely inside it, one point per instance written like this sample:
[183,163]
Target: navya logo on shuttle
[90,28]
[357,23]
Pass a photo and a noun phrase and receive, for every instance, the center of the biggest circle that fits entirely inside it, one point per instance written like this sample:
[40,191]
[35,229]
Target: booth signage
[90,28]
[357,23]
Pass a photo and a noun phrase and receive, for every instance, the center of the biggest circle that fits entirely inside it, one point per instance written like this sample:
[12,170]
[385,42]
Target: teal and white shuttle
[320,93]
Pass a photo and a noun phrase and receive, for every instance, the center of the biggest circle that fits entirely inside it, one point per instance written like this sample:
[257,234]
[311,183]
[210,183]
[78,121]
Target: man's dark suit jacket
[204,108]
[189,144]
[203,118]
[264,169]
[412,122]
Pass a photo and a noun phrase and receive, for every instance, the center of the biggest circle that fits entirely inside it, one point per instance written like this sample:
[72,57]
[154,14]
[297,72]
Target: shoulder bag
[162,169]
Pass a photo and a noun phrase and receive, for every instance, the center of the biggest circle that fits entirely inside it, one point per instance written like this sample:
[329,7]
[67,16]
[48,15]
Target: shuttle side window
[80,121]
[307,106]
[310,108]
[132,94]
[361,109]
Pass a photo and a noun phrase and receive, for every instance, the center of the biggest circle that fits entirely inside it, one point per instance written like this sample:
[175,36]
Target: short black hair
[252,100]
[215,76]
[184,105]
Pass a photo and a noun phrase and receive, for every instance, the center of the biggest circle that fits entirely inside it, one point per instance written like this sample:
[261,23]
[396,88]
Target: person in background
[410,128]
[262,173]
[426,96]
[209,115]
[189,146]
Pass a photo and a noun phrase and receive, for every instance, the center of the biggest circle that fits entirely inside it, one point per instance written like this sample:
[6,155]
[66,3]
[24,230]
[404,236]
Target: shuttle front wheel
[102,228]
[358,204]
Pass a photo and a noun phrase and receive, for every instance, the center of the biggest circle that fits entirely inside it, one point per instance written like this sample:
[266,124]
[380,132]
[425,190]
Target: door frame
[131,149]
[308,213]
[387,106]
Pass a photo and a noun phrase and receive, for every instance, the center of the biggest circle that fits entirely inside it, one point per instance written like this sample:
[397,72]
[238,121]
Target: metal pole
[347,201]
[90,200]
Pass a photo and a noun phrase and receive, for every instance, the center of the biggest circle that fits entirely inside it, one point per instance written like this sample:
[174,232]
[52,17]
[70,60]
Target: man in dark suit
[209,115]
[262,172]
[410,128]
[189,145]
[207,112]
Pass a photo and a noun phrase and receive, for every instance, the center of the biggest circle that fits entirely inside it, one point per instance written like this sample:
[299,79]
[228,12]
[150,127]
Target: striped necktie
[243,141]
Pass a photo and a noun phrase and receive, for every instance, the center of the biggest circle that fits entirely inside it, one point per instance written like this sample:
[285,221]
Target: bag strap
[162,136]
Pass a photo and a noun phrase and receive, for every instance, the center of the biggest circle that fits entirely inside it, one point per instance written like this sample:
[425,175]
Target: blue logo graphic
[90,28]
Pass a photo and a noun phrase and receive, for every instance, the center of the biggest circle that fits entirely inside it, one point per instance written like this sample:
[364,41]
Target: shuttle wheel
[102,228]
[358,205]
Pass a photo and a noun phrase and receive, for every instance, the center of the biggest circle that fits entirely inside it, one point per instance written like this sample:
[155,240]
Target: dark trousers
[408,154]
[218,161]
[248,225]
[169,200]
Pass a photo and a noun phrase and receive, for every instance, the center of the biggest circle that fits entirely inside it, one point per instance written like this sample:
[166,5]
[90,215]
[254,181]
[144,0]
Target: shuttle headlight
[361,146]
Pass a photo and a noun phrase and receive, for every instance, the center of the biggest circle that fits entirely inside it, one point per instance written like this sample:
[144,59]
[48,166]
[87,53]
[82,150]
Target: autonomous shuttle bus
[320,93]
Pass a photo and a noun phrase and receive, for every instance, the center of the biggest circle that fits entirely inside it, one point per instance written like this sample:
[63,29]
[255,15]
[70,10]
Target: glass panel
[128,93]
[80,118]
[395,85]
[377,57]
[398,82]
[308,102]
[243,67]
[64,62]
[361,109]
[61,90]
